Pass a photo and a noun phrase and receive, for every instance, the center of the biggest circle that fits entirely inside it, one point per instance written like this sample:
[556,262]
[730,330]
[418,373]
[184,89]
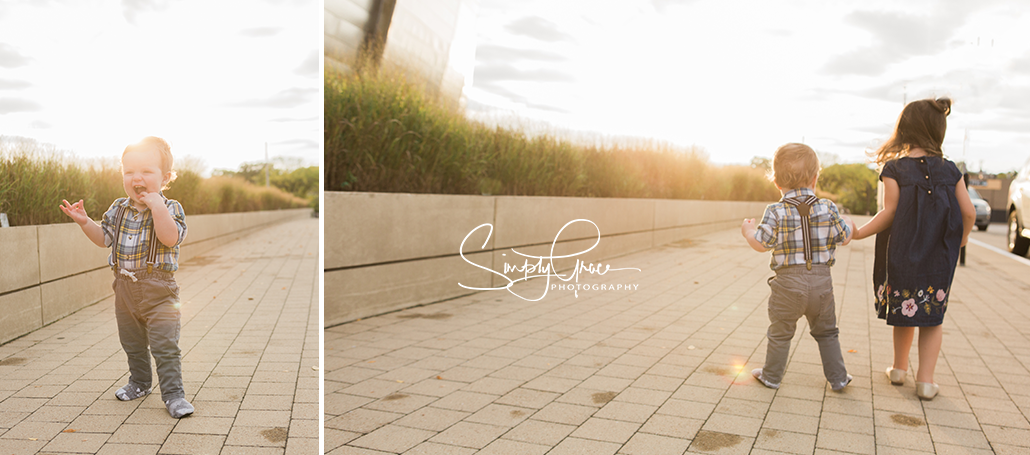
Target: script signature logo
[543,267]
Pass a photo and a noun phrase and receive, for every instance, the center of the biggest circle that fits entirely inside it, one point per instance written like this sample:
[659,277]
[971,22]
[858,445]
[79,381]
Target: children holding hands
[925,220]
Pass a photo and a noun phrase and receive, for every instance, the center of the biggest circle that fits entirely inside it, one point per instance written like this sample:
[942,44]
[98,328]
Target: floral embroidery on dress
[908,307]
[929,300]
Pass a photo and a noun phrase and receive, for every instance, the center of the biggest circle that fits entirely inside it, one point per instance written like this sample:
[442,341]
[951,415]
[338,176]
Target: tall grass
[228,194]
[34,178]
[383,133]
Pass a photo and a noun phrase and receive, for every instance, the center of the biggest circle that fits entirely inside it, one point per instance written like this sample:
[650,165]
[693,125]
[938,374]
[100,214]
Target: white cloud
[740,79]
[11,105]
[90,76]
[10,57]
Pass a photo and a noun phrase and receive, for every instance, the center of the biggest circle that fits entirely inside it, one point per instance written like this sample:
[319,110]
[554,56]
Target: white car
[1019,212]
[983,210]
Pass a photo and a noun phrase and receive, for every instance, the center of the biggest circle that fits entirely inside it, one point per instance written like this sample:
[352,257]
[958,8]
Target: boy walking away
[144,231]
[802,231]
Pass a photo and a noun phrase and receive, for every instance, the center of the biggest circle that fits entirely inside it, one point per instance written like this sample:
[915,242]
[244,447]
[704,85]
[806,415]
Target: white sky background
[741,78]
[217,79]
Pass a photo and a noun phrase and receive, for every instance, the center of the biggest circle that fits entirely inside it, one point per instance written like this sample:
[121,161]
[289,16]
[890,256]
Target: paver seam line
[728,306]
[922,403]
[965,336]
[790,358]
[794,346]
[1019,309]
[872,403]
[870,343]
[612,317]
[290,290]
[270,263]
[114,354]
[224,314]
[847,268]
[406,308]
[979,319]
[556,323]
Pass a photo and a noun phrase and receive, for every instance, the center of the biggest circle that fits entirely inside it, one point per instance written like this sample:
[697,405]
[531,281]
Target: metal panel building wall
[344,31]
[433,38]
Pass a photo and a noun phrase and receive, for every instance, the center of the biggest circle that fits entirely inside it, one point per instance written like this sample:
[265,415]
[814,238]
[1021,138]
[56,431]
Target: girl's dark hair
[921,124]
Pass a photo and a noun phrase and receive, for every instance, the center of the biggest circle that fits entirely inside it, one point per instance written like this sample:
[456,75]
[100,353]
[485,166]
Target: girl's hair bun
[943,105]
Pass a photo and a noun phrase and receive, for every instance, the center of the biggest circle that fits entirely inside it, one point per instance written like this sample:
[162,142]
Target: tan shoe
[926,390]
[896,376]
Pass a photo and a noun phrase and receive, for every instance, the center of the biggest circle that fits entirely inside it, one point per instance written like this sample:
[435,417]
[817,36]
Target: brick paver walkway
[250,340]
[665,369]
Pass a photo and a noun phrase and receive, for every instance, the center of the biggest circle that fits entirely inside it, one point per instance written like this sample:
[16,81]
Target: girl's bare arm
[968,211]
[884,218]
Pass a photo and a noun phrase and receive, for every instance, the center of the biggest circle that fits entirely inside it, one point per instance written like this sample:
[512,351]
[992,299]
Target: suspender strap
[152,244]
[804,206]
[151,240]
[119,215]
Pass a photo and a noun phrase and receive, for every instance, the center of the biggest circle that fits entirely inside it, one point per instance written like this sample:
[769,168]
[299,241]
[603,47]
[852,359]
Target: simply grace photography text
[544,267]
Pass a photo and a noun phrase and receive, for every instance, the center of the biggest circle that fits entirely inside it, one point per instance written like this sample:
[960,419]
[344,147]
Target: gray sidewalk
[665,369]
[250,340]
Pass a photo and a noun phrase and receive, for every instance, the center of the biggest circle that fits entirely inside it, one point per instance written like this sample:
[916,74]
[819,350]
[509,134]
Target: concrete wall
[387,251]
[51,271]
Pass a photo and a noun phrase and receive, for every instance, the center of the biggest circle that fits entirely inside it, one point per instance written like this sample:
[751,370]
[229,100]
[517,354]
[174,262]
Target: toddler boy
[802,231]
[144,231]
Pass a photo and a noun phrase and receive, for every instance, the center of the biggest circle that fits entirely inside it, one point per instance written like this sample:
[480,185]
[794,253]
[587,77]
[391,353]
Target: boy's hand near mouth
[151,199]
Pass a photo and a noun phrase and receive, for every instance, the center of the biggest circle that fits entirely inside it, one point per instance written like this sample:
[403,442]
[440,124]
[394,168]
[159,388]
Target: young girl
[926,219]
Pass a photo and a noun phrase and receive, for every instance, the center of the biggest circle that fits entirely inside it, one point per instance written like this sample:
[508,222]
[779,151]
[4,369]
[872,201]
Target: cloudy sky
[742,78]
[217,79]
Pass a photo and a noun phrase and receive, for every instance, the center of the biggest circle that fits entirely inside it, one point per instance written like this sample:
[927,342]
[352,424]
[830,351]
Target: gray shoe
[842,385]
[131,391]
[179,407]
[757,373]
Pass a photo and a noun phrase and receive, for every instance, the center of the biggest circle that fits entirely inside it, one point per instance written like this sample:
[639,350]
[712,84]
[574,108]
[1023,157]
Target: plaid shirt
[781,230]
[133,244]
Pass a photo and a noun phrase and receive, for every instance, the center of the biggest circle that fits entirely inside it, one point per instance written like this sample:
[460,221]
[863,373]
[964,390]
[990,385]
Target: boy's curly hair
[162,148]
[794,166]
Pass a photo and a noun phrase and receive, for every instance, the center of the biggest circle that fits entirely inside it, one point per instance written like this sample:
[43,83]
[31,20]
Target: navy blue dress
[916,257]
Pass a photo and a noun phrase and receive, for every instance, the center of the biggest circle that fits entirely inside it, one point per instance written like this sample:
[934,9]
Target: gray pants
[147,312]
[796,292]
